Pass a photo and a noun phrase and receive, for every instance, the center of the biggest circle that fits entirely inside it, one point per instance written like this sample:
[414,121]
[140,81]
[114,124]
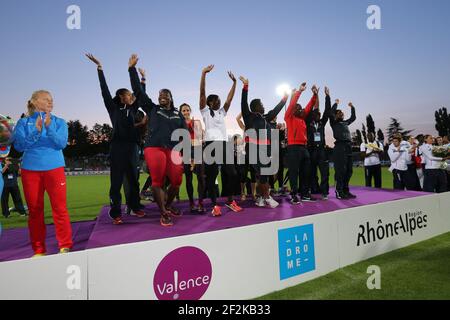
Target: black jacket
[258,121]
[122,117]
[162,122]
[340,128]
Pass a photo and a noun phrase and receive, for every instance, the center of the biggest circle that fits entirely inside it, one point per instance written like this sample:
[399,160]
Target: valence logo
[183,274]
[296,251]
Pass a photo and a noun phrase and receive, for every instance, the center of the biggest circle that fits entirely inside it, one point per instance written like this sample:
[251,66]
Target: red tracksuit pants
[35,183]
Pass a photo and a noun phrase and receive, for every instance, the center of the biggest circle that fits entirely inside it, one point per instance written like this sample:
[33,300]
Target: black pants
[412,179]
[400,178]
[343,166]
[299,162]
[246,168]
[127,187]
[14,191]
[280,174]
[212,171]
[200,173]
[373,172]
[148,183]
[124,161]
[319,160]
[435,180]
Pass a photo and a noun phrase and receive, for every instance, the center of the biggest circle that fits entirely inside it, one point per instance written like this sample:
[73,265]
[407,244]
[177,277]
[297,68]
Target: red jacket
[296,126]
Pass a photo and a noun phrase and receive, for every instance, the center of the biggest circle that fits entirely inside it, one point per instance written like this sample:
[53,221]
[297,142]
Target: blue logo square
[296,251]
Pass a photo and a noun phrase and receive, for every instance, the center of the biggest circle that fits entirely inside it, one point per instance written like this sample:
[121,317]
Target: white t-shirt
[374,158]
[215,129]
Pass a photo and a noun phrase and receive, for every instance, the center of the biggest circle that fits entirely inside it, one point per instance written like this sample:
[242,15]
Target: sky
[401,70]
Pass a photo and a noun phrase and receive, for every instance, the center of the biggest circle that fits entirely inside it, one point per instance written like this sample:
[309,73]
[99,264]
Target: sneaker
[174,212]
[166,220]
[64,250]
[271,203]
[117,221]
[350,195]
[243,197]
[234,206]
[308,198]
[295,200]
[216,211]
[137,213]
[260,202]
[38,255]
[193,208]
[341,196]
[324,197]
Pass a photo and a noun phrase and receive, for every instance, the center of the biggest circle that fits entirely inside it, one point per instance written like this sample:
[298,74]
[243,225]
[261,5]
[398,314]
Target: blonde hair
[30,106]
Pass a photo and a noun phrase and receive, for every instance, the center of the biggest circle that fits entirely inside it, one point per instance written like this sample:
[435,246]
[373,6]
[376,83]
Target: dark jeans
[299,161]
[435,180]
[124,161]
[343,166]
[373,172]
[412,179]
[400,178]
[14,191]
[319,160]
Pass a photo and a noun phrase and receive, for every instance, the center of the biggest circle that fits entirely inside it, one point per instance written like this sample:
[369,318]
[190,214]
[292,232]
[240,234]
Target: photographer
[10,173]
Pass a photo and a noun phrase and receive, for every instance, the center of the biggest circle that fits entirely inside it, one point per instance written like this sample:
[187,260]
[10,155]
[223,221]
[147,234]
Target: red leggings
[35,183]
[164,162]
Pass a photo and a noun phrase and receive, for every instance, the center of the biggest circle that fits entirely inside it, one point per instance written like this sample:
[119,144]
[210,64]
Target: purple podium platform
[15,244]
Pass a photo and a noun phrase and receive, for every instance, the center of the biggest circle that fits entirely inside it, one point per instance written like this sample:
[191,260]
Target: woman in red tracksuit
[161,160]
[41,137]
[298,155]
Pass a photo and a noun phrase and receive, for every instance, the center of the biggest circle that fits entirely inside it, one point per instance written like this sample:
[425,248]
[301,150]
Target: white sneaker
[271,203]
[260,202]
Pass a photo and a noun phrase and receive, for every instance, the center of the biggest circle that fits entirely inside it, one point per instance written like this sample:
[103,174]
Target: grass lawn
[420,271]
[86,195]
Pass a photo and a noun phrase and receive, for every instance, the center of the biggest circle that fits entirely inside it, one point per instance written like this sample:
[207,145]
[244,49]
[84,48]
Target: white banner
[369,231]
[62,277]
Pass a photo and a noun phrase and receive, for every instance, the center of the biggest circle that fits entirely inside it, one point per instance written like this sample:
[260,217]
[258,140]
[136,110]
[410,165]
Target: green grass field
[86,195]
[420,271]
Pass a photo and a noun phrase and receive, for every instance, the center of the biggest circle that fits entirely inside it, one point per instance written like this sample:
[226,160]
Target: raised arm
[245,110]
[107,98]
[230,96]
[333,111]
[145,102]
[311,102]
[275,111]
[315,109]
[326,112]
[352,116]
[203,86]
[240,122]
[143,79]
[292,105]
